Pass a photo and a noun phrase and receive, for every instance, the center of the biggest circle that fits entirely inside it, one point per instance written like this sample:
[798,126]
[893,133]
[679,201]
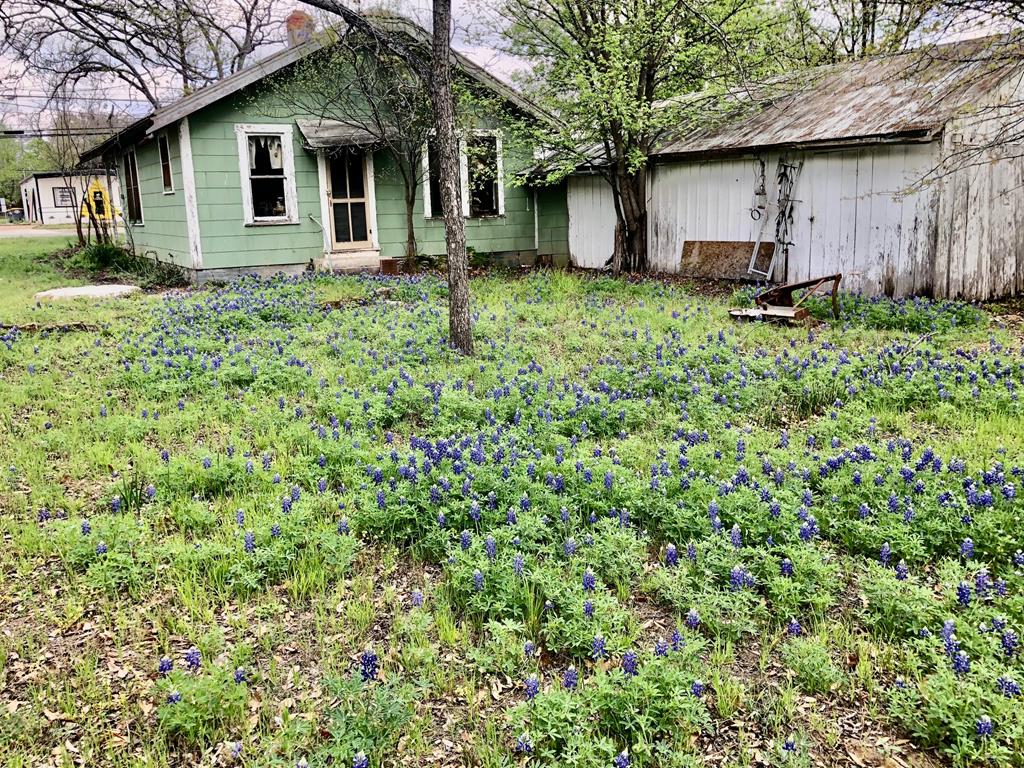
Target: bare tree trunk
[411,251]
[460,329]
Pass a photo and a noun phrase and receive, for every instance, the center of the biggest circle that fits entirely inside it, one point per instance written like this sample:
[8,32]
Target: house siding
[163,234]
[227,243]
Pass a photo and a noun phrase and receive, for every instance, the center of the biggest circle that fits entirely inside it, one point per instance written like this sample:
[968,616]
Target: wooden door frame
[327,214]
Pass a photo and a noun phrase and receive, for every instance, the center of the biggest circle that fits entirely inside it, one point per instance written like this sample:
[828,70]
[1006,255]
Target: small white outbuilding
[897,172]
[59,197]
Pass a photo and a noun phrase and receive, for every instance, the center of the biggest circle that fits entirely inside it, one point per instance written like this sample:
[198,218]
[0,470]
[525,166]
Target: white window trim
[188,181]
[242,133]
[464,173]
[170,165]
[428,211]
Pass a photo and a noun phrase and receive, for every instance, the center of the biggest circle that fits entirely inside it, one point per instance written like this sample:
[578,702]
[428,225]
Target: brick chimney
[300,27]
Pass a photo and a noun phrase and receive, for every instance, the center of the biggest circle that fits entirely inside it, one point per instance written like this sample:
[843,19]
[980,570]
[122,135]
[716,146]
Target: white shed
[897,168]
[56,197]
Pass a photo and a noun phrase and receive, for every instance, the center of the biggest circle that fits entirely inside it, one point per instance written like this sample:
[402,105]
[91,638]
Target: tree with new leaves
[616,71]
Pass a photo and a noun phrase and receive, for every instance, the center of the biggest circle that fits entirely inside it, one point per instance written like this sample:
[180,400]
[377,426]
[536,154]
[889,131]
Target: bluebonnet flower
[529,649]
[789,745]
[86,528]
[465,540]
[671,555]
[697,688]
[523,744]
[967,548]
[240,675]
[570,547]
[621,760]
[677,640]
[193,658]
[360,760]
[518,564]
[249,541]
[660,647]
[786,567]
[165,666]
[570,679]
[343,528]
[532,687]
[691,552]
[368,665]
[736,536]
[589,581]
[588,609]
[902,572]
[115,504]
[984,726]
[740,578]
[630,663]
[491,547]
[1008,687]
[207,462]
[174,697]
[692,618]
[809,530]
[597,647]
[478,580]
[1010,642]
[794,629]
[982,582]
[961,663]
[885,554]
[275,530]
[963,594]
[101,548]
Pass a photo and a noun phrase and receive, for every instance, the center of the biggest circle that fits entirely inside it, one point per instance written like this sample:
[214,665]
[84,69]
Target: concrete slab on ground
[87,292]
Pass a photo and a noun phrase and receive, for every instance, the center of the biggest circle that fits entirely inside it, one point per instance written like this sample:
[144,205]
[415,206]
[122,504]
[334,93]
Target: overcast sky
[21,98]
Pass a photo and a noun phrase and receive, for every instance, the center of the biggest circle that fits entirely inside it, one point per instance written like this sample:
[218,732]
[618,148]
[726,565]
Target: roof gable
[211,94]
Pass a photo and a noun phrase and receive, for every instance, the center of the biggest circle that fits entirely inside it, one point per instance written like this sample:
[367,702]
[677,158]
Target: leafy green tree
[17,159]
[621,74]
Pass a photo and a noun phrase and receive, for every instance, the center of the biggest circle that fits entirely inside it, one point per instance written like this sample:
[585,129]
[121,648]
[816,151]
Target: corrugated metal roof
[908,96]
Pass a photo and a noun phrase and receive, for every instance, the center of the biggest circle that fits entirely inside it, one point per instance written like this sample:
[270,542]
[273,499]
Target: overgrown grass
[698,536]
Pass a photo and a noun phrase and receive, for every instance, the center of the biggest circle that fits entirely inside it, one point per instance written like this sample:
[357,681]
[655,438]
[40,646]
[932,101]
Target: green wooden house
[219,186]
